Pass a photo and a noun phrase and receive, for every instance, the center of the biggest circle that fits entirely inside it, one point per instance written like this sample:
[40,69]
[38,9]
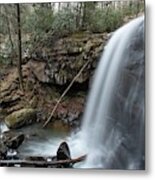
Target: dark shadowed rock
[63,153]
[12,140]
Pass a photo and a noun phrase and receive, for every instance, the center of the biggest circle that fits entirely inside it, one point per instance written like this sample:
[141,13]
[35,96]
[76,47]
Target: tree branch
[41,163]
[64,93]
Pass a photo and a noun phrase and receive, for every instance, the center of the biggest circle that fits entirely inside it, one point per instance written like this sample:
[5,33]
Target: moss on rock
[20,118]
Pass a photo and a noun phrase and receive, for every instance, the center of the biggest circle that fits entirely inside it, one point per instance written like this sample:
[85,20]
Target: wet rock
[21,118]
[13,142]
[63,153]
[72,119]
[11,139]
[3,151]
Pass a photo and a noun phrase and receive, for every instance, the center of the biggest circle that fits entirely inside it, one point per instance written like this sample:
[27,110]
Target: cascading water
[113,128]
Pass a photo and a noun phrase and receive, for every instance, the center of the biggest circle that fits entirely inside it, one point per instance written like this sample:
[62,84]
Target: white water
[103,135]
[3,128]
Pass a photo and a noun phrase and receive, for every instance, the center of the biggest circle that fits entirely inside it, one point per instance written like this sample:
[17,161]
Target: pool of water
[39,141]
[45,141]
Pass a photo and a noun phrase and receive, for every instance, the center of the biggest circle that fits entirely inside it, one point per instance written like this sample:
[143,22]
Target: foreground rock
[13,142]
[21,118]
[63,153]
[61,160]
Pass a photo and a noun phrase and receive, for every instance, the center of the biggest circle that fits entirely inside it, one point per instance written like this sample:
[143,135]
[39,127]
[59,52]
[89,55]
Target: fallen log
[42,163]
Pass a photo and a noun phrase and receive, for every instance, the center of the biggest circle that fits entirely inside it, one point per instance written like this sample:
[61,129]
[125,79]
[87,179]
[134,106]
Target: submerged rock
[20,118]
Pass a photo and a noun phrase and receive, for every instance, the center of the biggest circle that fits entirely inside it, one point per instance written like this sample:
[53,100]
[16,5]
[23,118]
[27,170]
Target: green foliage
[133,9]
[38,22]
[64,21]
[4,60]
[42,25]
[3,24]
[106,20]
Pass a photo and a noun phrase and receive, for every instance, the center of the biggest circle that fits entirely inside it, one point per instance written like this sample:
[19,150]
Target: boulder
[14,142]
[63,153]
[21,118]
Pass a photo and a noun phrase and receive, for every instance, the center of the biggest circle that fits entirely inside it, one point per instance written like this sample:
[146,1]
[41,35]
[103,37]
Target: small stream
[45,141]
[39,141]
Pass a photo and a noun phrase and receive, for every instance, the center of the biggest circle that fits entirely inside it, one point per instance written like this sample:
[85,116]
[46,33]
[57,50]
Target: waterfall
[113,130]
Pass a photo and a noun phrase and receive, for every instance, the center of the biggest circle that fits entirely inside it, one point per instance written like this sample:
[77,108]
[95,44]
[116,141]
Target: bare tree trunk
[78,15]
[52,6]
[10,38]
[68,5]
[102,5]
[84,15]
[19,49]
[59,6]
[9,32]
[138,7]
[88,9]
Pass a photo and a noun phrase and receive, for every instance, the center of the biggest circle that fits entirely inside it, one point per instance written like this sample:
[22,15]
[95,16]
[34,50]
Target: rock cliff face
[47,71]
[59,63]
